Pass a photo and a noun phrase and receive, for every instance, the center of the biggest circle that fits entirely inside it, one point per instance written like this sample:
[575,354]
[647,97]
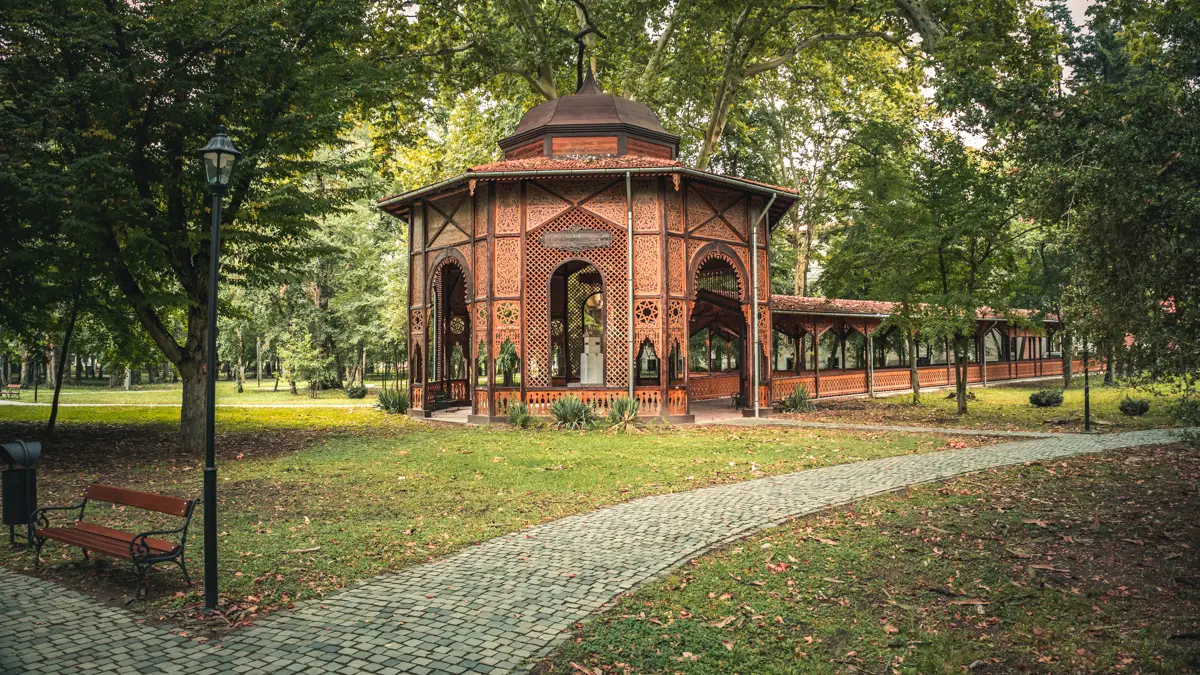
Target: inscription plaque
[576,239]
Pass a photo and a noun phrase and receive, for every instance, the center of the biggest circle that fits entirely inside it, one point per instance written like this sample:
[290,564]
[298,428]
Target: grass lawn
[1084,565]
[1000,406]
[312,499]
[97,392]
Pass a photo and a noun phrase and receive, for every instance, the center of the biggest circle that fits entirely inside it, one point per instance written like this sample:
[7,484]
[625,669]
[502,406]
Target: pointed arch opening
[578,320]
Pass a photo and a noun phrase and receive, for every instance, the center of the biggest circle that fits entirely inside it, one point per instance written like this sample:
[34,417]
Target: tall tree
[123,94]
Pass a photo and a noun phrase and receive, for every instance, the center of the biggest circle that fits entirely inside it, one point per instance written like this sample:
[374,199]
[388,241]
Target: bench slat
[91,542]
[158,545]
[142,500]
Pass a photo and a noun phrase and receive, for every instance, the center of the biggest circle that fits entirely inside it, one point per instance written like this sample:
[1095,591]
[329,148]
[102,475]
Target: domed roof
[589,110]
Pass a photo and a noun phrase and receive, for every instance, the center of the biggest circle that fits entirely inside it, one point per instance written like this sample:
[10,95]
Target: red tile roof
[576,163]
[808,304]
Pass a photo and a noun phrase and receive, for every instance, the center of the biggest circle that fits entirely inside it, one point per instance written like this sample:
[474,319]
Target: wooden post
[983,357]
[817,362]
[870,362]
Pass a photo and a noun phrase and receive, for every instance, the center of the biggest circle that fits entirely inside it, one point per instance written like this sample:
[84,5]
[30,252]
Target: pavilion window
[648,365]
[937,352]
[481,365]
[700,350]
[831,352]
[786,350]
[856,350]
[675,363]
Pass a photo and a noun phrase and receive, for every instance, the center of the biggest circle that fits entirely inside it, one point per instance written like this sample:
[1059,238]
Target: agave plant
[797,401]
[623,415]
[518,415]
[392,401]
[571,413]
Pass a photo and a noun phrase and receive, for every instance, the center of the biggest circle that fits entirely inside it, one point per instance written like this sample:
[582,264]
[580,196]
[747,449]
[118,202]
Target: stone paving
[489,608]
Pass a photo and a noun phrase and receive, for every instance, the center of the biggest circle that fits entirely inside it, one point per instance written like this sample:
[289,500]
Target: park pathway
[491,607]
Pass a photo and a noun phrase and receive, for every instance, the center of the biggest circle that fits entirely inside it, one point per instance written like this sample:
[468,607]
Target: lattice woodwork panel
[416,321]
[783,387]
[998,371]
[837,383]
[507,325]
[610,204]
[1052,367]
[610,262]
[645,206]
[722,200]
[480,328]
[674,210]
[736,217]
[933,376]
[892,380]
[507,275]
[417,285]
[541,206]
[481,213]
[649,401]
[764,329]
[647,325]
[676,265]
[677,401]
[577,190]
[508,207]
[744,255]
[646,270]
[677,323]
[482,271]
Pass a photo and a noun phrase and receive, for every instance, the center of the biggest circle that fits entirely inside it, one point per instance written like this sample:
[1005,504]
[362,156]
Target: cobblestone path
[489,608]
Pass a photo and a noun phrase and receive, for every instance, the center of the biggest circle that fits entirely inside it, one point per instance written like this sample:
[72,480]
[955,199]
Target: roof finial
[588,29]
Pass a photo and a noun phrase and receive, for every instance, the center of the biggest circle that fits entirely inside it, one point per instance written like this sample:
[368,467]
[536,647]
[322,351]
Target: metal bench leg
[186,577]
[141,577]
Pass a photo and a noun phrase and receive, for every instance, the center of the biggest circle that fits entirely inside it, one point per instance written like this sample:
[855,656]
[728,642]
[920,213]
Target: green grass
[95,392]
[312,499]
[1080,566]
[1001,406]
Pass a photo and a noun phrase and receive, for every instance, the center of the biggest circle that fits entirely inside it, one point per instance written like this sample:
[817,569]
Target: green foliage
[507,362]
[1046,398]
[1134,406]
[798,401]
[623,414]
[392,401]
[356,391]
[518,415]
[571,413]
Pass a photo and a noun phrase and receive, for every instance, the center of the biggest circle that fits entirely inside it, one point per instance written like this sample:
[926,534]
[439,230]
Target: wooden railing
[850,382]
[677,401]
[708,387]
[418,397]
[540,400]
[459,391]
[505,396]
[481,401]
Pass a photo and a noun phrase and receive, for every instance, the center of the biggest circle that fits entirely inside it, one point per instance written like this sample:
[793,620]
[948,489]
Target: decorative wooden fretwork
[676,265]
[507,279]
[556,327]
[645,206]
[647,324]
[482,268]
[723,279]
[508,207]
[542,262]
[756,207]
[646,269]
[677,326]
[541,206]
[457,325]
[716,214]
[764,277]
[674,210]
[708,387]
[507,325]
[416,321]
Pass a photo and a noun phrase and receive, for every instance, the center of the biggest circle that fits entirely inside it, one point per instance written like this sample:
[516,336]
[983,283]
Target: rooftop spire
[588,29]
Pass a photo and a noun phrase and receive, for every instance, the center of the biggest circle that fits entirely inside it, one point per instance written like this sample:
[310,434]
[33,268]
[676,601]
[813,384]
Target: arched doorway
[448,334]
[578,316]
[717,331]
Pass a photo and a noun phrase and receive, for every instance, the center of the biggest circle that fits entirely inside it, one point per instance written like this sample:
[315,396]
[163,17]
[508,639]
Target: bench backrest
[14,386]
[140,500]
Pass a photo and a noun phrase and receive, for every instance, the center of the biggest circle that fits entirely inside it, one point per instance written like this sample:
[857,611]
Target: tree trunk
[191,414]
[1068,353]
[913,377]
[1109,365]
[128,381]
[66,346]
[241,362]
[52,363]
[26,369]
[258,362]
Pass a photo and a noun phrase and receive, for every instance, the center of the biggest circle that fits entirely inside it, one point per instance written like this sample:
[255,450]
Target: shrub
[518,415]
[571,413]
[1135,406]
[1046,398]
[798,401]
[392,401]
[356,391]
[623,414]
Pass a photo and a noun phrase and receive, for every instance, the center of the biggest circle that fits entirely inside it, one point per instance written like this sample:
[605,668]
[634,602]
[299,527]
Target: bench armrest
[138,547]
[38,517]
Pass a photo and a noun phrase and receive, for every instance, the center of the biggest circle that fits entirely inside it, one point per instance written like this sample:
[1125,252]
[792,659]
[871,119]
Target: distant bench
[143,549]
[11,391]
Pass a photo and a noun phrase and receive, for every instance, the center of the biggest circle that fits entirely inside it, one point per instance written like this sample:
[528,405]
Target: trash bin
[18,484]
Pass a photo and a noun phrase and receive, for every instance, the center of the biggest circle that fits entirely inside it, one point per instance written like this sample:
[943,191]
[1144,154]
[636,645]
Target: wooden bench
[144,549]
[11,391]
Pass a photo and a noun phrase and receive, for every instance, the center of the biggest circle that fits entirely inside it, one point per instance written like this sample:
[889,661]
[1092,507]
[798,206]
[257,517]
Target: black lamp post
[220,157]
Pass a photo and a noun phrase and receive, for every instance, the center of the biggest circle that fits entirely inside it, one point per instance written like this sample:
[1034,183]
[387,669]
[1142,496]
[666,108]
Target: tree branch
[762,67]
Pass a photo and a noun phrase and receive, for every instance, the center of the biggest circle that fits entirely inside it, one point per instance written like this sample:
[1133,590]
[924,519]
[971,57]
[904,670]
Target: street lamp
[220,157]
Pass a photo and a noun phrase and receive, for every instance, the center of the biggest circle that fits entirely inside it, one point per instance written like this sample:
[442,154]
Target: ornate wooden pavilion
[591,262]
